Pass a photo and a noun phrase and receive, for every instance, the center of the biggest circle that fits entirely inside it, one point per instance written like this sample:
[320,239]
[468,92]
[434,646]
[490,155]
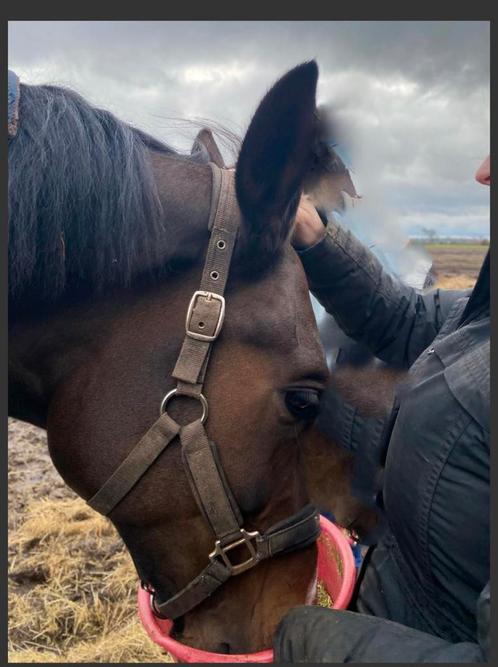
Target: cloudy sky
[412,97]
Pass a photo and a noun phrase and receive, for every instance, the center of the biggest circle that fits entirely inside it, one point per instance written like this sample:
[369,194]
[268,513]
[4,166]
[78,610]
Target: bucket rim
[187,653]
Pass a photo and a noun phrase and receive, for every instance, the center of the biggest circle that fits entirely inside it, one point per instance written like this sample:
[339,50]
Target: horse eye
[304,404]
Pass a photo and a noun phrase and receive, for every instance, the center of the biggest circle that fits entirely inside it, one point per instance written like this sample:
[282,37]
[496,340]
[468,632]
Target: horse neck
[47,345]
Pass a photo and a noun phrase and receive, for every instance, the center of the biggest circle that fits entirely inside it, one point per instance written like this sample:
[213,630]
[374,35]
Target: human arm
[394,320]
[318,635]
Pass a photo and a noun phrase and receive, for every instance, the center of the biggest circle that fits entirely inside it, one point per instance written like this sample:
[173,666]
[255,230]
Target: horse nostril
[222,647]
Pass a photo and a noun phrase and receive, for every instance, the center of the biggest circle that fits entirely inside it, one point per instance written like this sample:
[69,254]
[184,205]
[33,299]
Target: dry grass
[457,265]
[323,598]
[455,281]
[72,594]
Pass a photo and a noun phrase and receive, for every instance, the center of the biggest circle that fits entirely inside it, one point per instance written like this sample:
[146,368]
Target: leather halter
[204,471]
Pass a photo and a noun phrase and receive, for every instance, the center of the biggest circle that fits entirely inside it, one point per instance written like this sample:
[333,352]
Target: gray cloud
[412,96]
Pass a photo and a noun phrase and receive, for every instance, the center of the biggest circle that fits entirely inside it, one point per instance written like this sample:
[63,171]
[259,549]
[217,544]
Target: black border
[233,11]
[3,357]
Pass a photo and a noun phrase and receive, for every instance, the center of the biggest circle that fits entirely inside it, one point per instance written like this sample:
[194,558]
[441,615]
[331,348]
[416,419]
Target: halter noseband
[200,458]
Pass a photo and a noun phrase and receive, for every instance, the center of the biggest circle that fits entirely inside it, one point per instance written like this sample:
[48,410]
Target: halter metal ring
[173,392]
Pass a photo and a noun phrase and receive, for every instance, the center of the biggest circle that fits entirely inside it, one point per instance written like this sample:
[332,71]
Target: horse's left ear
[275,156]
[205,148]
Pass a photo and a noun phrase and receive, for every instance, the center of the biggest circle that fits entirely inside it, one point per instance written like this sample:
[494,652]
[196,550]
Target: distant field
[456,265]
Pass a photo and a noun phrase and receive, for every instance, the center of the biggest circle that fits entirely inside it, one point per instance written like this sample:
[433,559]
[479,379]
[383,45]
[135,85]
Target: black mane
[83,205]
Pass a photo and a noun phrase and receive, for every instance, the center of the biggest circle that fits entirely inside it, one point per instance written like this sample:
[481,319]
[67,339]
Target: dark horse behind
[108,229]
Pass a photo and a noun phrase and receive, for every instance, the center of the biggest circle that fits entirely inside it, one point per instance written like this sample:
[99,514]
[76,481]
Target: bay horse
[108,229]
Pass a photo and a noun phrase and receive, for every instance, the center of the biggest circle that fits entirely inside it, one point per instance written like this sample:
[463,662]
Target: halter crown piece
[209,485]
[14,92]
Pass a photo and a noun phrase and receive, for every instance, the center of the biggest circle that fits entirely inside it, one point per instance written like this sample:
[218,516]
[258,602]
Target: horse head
[92,361]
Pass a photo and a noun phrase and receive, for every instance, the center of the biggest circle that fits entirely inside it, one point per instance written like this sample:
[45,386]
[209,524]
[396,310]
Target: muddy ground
[31,472]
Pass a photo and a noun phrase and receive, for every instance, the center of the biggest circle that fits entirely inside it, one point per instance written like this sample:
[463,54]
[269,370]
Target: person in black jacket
[423,593]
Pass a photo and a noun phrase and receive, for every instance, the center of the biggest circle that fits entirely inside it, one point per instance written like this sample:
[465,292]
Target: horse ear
[205,148]
[276,155]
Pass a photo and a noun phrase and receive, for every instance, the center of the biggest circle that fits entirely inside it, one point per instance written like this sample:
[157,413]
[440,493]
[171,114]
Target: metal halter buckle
[245,540]
[209,296]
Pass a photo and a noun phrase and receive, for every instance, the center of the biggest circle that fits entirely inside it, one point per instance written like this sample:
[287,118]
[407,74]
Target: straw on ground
[72,592]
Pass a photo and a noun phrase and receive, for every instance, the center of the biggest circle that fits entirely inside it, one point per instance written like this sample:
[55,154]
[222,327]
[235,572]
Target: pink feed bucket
[336,571]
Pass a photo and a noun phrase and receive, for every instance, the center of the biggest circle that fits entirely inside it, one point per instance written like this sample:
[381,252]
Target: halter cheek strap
[201,462]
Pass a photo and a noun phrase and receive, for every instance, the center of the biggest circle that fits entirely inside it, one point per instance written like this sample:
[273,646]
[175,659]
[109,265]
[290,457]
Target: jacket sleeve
[317,635]
[394,320]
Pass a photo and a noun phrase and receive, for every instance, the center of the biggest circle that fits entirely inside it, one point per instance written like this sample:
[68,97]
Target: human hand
[308,226]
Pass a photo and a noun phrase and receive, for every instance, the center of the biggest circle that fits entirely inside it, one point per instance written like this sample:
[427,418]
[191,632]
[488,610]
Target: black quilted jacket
[423,590]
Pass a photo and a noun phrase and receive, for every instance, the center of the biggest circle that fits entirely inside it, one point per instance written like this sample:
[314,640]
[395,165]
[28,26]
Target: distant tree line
[429,236]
